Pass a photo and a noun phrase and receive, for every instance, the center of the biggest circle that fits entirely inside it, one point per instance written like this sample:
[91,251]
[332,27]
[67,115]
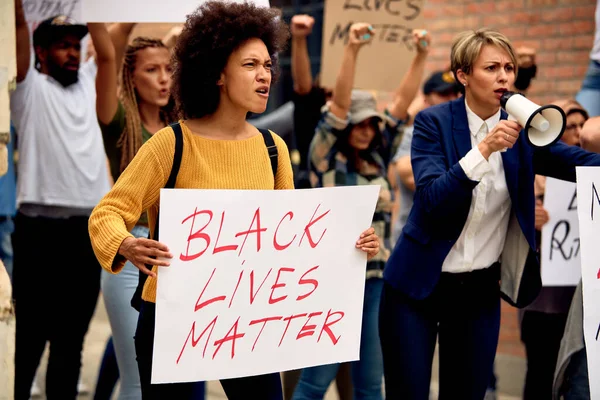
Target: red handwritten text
[201,220]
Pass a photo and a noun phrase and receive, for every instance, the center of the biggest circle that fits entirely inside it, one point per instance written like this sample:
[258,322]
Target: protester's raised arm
[106,78]
[23,44]
[301,27]
[119,35]
[405,172]
[360,34]
[170,39]
[409,86]
[590,135]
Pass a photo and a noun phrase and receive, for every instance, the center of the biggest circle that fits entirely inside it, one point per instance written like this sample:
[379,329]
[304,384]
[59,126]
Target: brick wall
[561,31]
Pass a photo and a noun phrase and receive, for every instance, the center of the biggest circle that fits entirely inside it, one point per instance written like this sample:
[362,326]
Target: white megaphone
[543,125]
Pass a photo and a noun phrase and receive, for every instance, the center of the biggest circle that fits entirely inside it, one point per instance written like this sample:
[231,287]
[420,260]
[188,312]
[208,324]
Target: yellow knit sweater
[205,164]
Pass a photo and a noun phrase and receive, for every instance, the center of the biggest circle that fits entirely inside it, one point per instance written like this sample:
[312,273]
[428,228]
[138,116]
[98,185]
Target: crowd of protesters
[456,226]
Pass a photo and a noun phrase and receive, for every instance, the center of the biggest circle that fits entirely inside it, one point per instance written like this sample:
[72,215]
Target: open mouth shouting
[499,92]
[263,91]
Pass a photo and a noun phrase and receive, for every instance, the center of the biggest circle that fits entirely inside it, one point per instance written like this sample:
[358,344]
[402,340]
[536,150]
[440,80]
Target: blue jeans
[6,250]
[117,291]
[367,373]
[589,94]
[463,312]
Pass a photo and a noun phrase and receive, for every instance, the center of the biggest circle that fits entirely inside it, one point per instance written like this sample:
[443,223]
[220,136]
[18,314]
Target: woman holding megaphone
[470,237]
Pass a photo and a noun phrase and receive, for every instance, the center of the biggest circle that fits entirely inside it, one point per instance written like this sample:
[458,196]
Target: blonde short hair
[467,46]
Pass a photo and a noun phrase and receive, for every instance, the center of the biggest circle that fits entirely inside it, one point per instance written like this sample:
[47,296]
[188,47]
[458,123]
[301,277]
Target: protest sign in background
[560,255]
[382,63]
[261,281]
[588,196]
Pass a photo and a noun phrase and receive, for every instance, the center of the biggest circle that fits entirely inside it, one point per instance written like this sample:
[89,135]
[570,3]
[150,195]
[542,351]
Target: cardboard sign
[382,63]
[260,282]
[560,255]
[588,195]
[144,10]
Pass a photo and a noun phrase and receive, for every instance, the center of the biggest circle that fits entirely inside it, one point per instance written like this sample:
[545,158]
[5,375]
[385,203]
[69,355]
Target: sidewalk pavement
[510,369]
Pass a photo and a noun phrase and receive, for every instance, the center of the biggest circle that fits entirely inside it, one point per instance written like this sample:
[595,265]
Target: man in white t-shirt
[62,175]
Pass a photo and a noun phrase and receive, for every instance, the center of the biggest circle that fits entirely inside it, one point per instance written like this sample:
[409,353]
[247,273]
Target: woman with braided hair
[129,114]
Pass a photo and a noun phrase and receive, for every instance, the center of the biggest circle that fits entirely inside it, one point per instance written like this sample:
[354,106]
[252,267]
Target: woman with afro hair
[224,63]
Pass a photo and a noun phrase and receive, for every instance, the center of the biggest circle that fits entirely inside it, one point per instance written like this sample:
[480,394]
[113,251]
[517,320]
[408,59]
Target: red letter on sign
[308,330]
[207,302]
[196,235]
[279,285]
[313,221]
[252,292]
[264,321]
[218,248]
[194,340]
[277,245]
[303,281]
[257,230]
[228,338]
[327,324]
[289,320]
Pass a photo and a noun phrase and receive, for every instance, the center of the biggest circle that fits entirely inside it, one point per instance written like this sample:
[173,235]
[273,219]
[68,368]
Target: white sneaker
[490,394]
[36,391]
[82,388]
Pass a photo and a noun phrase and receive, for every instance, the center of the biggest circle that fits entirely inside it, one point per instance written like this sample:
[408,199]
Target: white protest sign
[38,10]
[261,281]
[588,194]
[144,10]
[561,264]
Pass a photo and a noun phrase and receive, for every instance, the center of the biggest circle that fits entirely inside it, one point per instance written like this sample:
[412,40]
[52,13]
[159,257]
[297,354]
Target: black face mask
[525,76]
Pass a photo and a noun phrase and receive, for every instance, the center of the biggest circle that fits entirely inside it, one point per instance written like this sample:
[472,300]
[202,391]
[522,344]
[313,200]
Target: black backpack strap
[272,149]
[136,300]
[175,167]
[177,157]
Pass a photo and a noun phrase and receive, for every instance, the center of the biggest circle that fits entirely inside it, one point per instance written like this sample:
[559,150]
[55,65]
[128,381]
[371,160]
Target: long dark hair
[352,155]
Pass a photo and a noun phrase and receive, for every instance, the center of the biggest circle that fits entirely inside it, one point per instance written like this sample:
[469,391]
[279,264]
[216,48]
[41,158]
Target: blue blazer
[443,198]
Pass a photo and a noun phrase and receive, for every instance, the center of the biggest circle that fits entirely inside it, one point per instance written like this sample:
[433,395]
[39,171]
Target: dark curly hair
[210,35]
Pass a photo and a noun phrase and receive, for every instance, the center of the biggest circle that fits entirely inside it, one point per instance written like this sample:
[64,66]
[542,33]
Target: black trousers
[541,333]
[263,387]
[56,283]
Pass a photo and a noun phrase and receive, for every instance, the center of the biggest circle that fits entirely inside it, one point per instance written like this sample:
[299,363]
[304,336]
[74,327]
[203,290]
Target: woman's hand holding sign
[369,243]
[141,252]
